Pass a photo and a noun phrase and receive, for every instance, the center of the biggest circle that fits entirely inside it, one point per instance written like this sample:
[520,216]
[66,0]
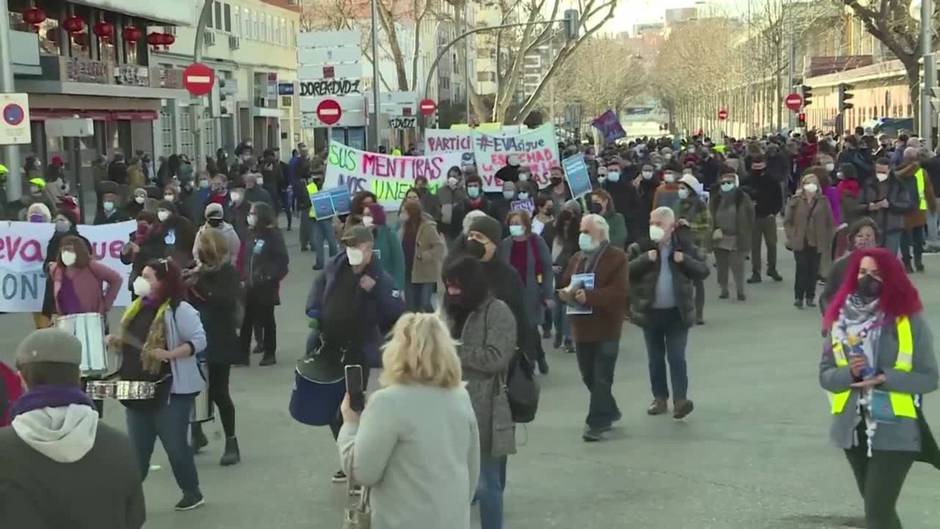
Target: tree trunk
[388,24]
[912,69]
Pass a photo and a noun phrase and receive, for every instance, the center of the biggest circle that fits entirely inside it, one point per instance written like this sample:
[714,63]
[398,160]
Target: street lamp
[922,11]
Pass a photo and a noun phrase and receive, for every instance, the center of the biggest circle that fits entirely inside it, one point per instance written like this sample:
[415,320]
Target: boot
[199,438]
[268,360]
[918,264]
[908,268]
[232,455]
[774,275]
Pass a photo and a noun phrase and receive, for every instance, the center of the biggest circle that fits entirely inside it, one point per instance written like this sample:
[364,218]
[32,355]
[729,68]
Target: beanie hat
[489,227]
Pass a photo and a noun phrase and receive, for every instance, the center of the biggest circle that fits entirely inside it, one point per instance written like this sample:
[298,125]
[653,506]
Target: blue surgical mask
[516,230]
[524,196]
[586,243]
[509,194]
[727,186]
[613,176]
[473,192]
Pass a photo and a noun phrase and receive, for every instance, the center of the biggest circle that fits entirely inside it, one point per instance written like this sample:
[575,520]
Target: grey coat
[487,345]
[904,435]
[534,295]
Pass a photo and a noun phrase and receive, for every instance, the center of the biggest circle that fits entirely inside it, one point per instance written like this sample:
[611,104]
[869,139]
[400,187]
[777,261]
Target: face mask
[523,177]
[473,192]
[657,233]
[509,194]
[260,181]
[142,287]
[516,230]
[881,176]
[33,189]
[37,217]
[68,258]
[236,197]
[452,182]
[601,178]
[658,166]
[811,188]
[475,249]
[647,175]
[523,196]
[162,215]
[368,222]
[169,198]
[215,223]
[556,180]
[727,186]
[140,200]
[830,166]
[667,157]
[108,206]
[355,256]
[595,208]
[683,193]
[613,176]
[252,220]
[586,243]
[62,226]
[868,287]
[669,178]
[203,184]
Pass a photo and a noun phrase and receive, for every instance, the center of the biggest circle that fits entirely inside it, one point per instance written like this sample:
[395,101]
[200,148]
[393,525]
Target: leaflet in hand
[578,282]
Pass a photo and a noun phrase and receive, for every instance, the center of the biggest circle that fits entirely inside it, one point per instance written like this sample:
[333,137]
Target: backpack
[522,389]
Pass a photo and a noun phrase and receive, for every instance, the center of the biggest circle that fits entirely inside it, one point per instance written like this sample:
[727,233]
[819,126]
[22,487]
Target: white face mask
[516,230]
[355,256]
[669,178]
[452,182]
[811,188]
[62,226]
[683,193]
[523,196]
[647,175]
[727,186]
[236,197]
[252,220]
[203,184]
[142,287]
[169,198]
[523,177]
[68,258]
[881,176]
[368,222]
[260,181]
[509,194]
[657,233]
[830,166]
[108,206]
[163,215]
[613,176]
[140,200]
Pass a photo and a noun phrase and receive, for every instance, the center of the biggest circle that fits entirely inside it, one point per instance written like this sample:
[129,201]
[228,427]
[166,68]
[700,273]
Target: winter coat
[88,283]
[265,257]
[232,242]
[696,213]
[766,194]
[744,216]
[900,202]
[644,274]
[916,217]
[808,223]
[258,194]
[153,247]
[429,252]
[537,290]
[52,255]
[608,298]
[116,216]
[219,298]
[618,228]
[486,345]
[179,234]
[390,254]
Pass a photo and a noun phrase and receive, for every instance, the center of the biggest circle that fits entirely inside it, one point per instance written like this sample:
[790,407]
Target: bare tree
[601,74]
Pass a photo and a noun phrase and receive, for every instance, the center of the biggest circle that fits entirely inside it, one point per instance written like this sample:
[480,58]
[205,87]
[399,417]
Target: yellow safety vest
[921,195]
[312,189]
[902,404]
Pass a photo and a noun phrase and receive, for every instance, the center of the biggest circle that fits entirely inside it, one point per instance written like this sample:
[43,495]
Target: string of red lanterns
[104,30]
[34,16]
[160,39]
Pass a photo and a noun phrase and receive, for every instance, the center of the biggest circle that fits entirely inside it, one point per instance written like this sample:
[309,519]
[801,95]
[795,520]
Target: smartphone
[354,386]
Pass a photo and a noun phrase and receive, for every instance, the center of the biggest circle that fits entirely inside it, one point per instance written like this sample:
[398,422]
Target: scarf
[859,326]
[49,397]
[589,260]
[519,258]
[156,336]
[849,187]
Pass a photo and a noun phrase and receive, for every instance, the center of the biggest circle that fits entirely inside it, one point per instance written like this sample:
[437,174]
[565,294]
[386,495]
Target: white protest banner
[535,148]
[388,177]
[23,251]
[444,141]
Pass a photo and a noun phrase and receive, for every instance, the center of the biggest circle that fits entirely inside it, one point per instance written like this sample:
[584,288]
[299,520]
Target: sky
[632,12]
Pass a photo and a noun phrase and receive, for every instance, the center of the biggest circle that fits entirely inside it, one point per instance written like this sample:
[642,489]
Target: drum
[100,389]
[97,361]
[203,411]
[121,389]
[318,391]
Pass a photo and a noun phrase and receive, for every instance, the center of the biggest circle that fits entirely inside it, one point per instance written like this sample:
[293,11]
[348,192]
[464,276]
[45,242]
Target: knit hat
[488,227]
[214,211]
[49,345]
[39,208]
[356,234]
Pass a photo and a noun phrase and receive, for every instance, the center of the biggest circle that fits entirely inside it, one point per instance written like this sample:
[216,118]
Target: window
[256,22]
[236,21]
[227,18]
[217,7]
[268,28]
[246,23]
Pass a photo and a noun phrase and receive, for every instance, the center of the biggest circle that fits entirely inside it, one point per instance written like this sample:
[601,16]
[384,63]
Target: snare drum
[97,361]
[121,389]
[100,389]
[203,411]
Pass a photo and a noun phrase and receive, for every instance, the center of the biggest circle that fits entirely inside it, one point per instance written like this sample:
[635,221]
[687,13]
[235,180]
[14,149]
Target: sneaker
[546,334]
[724,295]
[919,266]
[268,360]
[754,279]
[810,302]
[339,477]
[304,249]
[658,407]
[616,419]
[682,409]
[355,490]
[543,366]
[593,435]
[558,340]
[242,363]
[190,501]
[798,303]
[775,276]
[741,296]
[700,321]
[257,350]
[317,268]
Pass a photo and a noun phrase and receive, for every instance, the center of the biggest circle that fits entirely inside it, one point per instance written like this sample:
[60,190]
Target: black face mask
[475,249]
[596,208]
[556,181]
[215,223]
[868,288]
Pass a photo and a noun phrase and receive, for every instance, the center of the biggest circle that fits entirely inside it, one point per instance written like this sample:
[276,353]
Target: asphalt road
[754,454]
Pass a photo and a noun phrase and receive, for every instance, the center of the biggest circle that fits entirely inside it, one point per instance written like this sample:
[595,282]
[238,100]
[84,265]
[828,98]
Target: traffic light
[844,96]
[801,120]
[807,94]
[571,23]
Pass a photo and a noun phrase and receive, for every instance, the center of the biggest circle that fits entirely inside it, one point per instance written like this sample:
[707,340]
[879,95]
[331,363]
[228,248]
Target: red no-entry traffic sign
[198,79]
[794,102]
[427,106]
[722,114]
[329,111]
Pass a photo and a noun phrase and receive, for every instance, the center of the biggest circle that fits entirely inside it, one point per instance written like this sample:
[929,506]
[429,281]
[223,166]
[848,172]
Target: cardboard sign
[535,148]
[522,205]
[576,171]
[444,141]
[331,202]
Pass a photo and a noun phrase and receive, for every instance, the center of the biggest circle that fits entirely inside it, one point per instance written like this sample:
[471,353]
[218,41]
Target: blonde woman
[416,444]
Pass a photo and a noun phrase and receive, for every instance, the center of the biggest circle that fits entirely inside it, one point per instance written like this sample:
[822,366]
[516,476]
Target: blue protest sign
[323,205]
[577,174]
[342,203]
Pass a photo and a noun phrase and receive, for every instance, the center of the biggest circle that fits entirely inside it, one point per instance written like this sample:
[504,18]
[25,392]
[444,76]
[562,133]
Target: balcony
[80,76]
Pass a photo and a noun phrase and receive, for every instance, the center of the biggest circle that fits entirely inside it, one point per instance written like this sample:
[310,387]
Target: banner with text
[388,177]
[535,148]
[444,141]
[23,251]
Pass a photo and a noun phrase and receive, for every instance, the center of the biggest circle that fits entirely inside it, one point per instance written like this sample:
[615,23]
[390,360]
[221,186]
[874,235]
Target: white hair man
[595,288]
[662,275]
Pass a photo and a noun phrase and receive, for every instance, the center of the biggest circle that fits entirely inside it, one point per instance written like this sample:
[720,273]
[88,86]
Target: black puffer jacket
[218,297]
[645,273]
[266,263]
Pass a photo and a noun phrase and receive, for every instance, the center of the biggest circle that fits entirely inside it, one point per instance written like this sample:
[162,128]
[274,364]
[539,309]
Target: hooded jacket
[916,217]
[232,242]
[60,467]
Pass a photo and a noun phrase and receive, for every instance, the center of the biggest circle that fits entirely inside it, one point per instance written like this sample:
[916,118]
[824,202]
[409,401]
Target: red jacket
[10,385]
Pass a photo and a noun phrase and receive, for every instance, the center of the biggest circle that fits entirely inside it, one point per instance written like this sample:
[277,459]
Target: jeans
[807,270]
[596,361]
[699,285]
[666,337]
[912,237]
[288,207]
[322,230]
[169,422]
[735,261]
[764,229]
[263,314]
[490,491]
[418,297]
[892,242]
[879,479]
[561,319]
[933,232]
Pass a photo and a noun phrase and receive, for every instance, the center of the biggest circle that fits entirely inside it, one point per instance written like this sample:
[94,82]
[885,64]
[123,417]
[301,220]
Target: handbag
[359,514]
[522,390]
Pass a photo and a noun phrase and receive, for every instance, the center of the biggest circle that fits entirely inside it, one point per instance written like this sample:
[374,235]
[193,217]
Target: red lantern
[34,16]
[104,31]
[132,34]
[167,40]
[155,39]
[73,25]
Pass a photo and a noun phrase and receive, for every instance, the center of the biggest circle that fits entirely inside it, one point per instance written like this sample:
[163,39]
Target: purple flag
[608,124]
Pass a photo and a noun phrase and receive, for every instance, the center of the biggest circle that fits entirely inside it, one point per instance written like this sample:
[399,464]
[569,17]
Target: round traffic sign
[198,79]
[13,114]
[427,106]
[794,101]
[722,114]
[329,111]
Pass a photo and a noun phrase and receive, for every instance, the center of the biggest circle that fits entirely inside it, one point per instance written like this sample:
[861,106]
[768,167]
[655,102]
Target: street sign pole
[196,109]
[9,154]
[375,76]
